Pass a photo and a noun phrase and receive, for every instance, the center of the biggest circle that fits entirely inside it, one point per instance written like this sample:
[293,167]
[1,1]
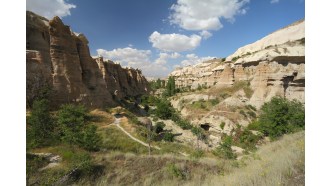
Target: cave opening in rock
[205,126]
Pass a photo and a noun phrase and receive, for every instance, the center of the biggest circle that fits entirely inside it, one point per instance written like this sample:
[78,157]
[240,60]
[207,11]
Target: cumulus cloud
[205,34]
[192,59]
[50,8]
[164,57]
[126,56]
[174,42]
[274,1]
[131,57]
[206,14]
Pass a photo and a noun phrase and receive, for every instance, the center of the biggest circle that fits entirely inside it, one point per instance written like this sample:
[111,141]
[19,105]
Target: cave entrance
[205,126]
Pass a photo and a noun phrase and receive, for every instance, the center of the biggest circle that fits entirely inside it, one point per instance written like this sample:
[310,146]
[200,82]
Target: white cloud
[192,59]
[49,8]
[274,1]
[126,56]
[163,57]
[174,42]
[206,14]
[205,34]
[131,57]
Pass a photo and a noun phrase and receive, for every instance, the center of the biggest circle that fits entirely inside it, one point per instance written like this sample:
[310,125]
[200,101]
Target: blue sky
[159,35]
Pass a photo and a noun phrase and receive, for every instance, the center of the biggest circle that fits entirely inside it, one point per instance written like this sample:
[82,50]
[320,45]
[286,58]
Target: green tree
[90,140]
[170,86]
[164,109]
[281,116]
[72,119]
[42,125]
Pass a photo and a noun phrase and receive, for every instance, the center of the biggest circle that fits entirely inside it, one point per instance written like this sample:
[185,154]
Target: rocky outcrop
[59,59]
[274,65]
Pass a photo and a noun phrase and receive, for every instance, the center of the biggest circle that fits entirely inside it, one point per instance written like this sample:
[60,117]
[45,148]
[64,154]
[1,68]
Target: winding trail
[117,124]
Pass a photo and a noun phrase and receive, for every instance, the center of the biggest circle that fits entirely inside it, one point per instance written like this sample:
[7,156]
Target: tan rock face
[58,58]
[274,65]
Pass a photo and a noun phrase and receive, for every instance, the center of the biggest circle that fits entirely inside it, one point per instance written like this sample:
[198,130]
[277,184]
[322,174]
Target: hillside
[274,65]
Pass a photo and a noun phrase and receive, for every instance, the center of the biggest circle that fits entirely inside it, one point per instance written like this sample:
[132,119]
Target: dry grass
[278,163]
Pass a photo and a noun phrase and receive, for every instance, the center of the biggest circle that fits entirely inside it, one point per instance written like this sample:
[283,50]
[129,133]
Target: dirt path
[117,124]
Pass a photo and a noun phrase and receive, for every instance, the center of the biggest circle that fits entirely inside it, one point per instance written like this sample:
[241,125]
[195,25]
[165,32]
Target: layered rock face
[59,59]
[274,65]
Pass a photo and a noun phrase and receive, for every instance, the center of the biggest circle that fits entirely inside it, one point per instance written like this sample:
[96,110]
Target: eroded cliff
[274,65]
[59,60]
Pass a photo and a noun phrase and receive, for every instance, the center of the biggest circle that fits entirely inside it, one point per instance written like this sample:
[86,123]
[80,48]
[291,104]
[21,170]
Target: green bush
[246,139]
[90,140]
[224,149]
[222,125]
[168,137]
[164,109]
[254,125]
[74,129]
[281,116]
[41,123]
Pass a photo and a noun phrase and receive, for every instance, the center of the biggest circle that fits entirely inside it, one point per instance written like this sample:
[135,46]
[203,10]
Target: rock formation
[59,59]
[274,65]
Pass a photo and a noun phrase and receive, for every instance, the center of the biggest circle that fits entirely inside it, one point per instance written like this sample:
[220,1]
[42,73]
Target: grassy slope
[278,163]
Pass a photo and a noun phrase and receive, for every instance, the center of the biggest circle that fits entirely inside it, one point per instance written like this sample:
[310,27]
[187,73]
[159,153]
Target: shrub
[184,124]
[222,125]
[164,109]
[280,116]
[90,140]
[168,137]
[42,124]
[254,125]
[224,149]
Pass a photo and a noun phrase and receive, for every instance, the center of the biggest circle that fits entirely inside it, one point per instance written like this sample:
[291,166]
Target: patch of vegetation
[236,58]
[204,104]
[224,149]
[222,125]
[281,116]
[168,137]
[251,107]
[41,129]
[176,171]
[238,85]
[245,139]
[115,140]
[197,154]
[72,120]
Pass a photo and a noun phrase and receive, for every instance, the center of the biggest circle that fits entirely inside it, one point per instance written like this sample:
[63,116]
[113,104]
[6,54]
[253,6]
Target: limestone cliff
[274,65]
[59,59]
